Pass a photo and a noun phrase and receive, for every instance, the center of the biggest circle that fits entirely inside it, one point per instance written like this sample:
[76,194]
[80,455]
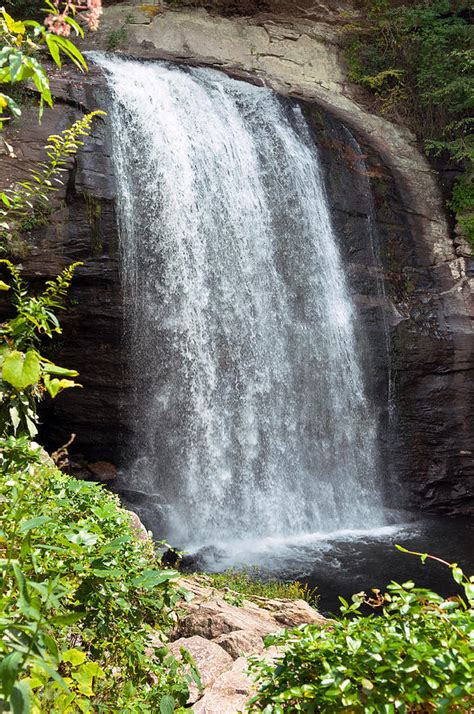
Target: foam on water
[294,555]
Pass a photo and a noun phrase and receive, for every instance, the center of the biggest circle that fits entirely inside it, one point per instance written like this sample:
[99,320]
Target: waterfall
[249,414]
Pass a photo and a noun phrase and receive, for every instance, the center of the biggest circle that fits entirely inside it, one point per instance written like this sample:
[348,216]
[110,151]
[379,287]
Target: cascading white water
[249,410]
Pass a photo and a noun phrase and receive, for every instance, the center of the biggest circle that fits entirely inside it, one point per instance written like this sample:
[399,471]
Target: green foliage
[20,43]
[415,656]
[25,374]
[462,203]
[417,61]
[116,37]
[29,200]
[80,598]
[249,584]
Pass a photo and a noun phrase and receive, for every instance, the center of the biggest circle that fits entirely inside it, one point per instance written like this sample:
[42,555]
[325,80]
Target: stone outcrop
[407,271]
[211,616]
[229,693]
[220,636]
[211,661]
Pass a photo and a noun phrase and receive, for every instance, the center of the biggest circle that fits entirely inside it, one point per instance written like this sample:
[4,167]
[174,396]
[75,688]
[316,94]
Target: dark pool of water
[347,562]
[352,566]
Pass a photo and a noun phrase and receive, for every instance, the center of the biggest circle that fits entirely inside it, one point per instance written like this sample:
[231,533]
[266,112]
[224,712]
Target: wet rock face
[414,331]
[82,228]
[411,304]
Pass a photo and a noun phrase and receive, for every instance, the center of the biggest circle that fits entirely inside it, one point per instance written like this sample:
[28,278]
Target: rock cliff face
[407,274]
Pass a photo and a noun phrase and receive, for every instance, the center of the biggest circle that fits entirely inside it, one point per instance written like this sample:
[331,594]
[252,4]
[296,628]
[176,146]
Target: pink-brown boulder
[211,661]
[241,642]
[229,693]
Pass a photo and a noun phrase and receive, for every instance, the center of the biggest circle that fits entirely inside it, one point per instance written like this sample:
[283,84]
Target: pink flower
[56,25]
[93,17]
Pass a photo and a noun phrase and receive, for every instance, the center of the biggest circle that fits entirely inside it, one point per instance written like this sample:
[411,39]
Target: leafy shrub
[250,584]
[25,374]
[20,203]
[22,41]
[416,656]
[116,37]
[417,61]
[80,597]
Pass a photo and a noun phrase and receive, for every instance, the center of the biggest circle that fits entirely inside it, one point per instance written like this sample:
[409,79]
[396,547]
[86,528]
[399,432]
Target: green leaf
[83,537]
[71,51]
[20,698]
[50,368]
[34,523]
[54,386]
[15,66]
[85,675]
[53,49]
[13,26]
[75,657]
[4,286]
[51,646]
[151,578]
[21,581]
[21,370]
[9,667]
[167,704]
[469,589]
[69,619]
[53,674]
[77,28]
[31,426]
[15,417]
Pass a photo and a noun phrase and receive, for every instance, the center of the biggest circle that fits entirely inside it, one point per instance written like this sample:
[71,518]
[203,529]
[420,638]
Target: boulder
[137,527]
[229,693]
[211,660]
[241,642]
[220,636]
[211,616]
[103,470]
[291,613]
[217,617]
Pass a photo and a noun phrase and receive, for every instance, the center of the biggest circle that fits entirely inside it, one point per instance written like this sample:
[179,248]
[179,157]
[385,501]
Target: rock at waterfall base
[211,661]
[220,636]
[103,470]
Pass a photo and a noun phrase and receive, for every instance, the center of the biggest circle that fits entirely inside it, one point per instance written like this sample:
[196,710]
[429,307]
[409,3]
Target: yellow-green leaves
[415,656]
[81,596]
[19,42]
[54,386]
[25,375]
[21,370]
[74,657]
[33,193]
[13,26]
[58,381]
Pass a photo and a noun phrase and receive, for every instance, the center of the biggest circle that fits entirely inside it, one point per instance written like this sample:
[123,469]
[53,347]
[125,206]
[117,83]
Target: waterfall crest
[249,408]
